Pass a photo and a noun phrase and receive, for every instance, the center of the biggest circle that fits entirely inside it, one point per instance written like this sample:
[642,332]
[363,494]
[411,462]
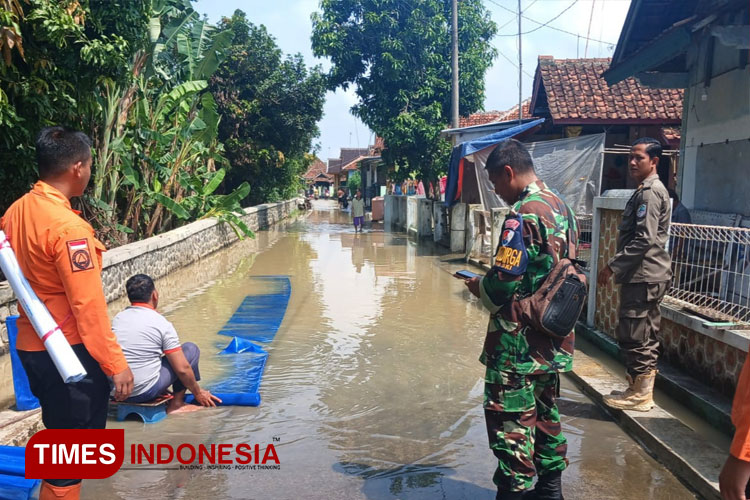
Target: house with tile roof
[485,117]
[372,170]
[701,46]
[335,165]
[316,174]
[575,100]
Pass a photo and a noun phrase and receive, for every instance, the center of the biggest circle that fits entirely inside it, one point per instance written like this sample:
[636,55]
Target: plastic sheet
[25,400]
[13,485]
[12,460]
[65,360]
[231,399]
[259,316]
[238,345]
[571,167]
[17,488]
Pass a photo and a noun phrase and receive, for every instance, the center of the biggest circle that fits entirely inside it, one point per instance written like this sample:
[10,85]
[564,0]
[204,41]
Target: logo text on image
[75,453]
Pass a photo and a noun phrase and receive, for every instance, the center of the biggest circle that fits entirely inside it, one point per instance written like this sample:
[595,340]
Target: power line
[542,25]
[547,26]
[588,31]
[515,65]
[513,18]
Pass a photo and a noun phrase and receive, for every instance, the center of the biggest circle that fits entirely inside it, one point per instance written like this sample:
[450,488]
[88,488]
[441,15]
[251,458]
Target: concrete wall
[412,222]
[395,216]
[411,214]
[713,356]
[156,256]
[715,151]
[459,215]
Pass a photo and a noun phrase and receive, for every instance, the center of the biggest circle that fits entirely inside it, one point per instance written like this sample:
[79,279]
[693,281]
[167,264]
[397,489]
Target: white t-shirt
[144,335]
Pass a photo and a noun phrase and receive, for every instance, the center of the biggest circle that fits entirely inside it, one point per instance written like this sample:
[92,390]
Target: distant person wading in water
[358,211]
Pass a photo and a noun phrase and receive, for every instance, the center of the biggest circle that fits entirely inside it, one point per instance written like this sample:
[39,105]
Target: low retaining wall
[157,257]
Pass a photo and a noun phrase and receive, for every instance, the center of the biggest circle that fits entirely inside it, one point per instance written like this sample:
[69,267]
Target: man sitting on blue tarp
[154,352]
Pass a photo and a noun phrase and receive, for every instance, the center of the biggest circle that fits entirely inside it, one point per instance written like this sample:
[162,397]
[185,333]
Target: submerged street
[372,389]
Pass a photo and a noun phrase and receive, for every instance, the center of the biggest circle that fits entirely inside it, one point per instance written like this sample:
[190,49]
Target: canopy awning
[456,170]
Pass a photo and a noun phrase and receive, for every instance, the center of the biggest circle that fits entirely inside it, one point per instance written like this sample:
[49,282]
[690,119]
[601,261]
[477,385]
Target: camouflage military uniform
[523,365]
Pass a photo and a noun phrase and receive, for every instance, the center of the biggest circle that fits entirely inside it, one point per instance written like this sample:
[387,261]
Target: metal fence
[711,272]
[584,223]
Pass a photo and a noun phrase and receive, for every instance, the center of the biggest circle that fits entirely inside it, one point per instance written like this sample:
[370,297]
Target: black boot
[509,495]
[548,487]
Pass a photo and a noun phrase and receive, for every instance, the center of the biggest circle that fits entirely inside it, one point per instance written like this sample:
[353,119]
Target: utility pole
[520,68]
[454,66]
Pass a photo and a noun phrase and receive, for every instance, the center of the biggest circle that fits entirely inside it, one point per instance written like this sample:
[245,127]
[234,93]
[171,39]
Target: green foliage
[160,91]
[397,54]
[354,182]
[270,105]
[65,51]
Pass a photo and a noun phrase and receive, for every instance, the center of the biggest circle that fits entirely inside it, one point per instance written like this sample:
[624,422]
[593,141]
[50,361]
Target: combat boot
[630,386]
[548,487]
[639,398]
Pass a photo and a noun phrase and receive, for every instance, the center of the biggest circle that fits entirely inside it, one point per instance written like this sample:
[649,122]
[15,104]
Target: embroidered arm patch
[641,213]
[80,255]
[511,255]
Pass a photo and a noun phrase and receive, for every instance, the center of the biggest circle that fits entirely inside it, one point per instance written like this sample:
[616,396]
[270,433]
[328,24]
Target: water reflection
[372,386]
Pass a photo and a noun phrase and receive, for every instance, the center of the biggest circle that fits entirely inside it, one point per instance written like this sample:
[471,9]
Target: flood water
[372,388]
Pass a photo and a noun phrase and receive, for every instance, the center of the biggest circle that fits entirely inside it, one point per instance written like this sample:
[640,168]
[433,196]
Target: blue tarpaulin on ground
[13,485]
[455,170]
[258,318]
[25,400]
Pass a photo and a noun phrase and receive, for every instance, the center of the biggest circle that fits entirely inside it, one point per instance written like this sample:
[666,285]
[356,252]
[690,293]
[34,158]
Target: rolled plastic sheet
[65,360]
[25,400]
[232,399]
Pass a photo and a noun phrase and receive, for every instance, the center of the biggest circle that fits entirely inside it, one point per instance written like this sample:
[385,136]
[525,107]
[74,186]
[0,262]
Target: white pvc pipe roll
[65,360]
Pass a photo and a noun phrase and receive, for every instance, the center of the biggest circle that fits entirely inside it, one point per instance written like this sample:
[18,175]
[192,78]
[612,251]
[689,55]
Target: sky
[601,20]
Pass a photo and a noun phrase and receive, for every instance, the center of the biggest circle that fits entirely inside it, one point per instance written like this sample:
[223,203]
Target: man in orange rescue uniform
[62,260]
[735,475]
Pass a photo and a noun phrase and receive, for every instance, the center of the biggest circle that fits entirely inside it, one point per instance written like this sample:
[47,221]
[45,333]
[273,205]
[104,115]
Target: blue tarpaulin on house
[454,185]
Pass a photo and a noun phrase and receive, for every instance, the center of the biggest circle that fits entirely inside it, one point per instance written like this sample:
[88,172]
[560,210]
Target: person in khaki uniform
[643,269]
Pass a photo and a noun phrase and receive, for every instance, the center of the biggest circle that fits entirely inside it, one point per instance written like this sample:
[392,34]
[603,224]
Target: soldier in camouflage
[522,378]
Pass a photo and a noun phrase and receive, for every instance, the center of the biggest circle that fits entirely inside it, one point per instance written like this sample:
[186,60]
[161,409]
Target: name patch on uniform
[641,212]
[79,254]
[511,257]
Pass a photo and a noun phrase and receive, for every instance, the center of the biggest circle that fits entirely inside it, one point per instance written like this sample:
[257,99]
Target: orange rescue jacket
[62,260]
[741,415]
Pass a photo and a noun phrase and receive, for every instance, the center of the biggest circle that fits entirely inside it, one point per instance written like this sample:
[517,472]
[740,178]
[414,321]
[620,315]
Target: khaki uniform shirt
[641,255]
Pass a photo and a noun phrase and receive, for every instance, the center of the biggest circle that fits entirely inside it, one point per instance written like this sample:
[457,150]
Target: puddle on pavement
[372,386]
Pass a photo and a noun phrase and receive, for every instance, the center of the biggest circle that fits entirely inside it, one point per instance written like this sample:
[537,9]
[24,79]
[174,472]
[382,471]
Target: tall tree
[55,57]
[398,53]
[270,105]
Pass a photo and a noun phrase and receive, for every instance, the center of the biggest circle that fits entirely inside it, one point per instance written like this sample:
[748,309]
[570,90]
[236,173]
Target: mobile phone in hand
[466,275]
